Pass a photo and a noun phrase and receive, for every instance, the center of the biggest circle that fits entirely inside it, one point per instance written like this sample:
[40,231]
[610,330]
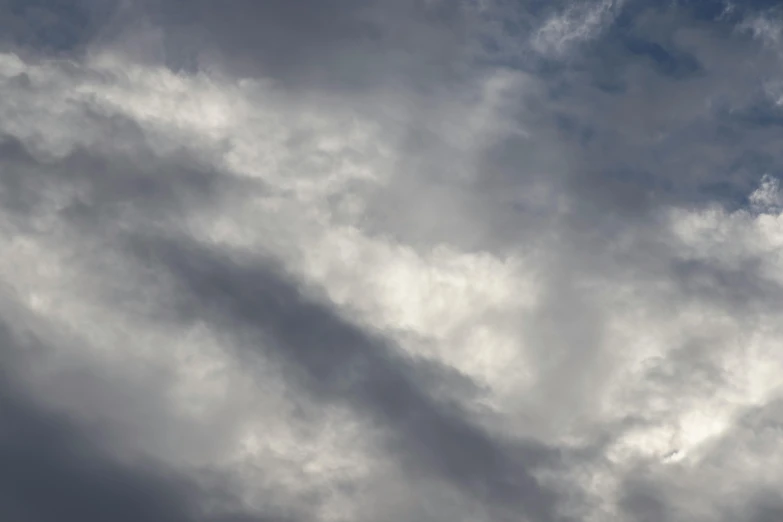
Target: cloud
[52,27]
[577,23]
[340,360]
[58,469]
[390,260]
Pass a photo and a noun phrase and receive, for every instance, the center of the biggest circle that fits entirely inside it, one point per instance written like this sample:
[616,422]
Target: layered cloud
[418,260]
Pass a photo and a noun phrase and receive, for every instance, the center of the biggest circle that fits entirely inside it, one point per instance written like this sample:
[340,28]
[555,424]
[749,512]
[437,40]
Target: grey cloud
[743,290]
[342,44]
[767,508]
[666,106]
[644,503]
[51,472]
[53,27]
[108,185]
[333,358]
[656,110]
[659,136]
[57,469]
[645,500]
[345,44]
[651,492]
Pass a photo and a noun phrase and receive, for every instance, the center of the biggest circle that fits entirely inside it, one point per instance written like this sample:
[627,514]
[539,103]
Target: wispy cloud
[390,261]
[577,23]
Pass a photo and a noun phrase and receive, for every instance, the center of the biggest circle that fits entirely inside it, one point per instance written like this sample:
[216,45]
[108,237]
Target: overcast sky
[391,260]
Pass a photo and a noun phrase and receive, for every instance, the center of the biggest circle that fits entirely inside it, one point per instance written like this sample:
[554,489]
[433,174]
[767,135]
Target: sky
[391,260]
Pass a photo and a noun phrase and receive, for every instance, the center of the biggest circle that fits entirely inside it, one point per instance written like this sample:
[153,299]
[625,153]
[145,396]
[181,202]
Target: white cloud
[577,23]
[570,340]
[439,304]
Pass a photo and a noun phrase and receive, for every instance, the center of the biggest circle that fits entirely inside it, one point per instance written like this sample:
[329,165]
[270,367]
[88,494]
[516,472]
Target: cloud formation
[415,260]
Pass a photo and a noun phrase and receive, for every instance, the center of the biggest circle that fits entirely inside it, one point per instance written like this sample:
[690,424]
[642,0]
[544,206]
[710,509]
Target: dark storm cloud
[339,360]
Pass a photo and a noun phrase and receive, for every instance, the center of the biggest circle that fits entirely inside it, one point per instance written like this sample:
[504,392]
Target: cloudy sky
[391,260]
